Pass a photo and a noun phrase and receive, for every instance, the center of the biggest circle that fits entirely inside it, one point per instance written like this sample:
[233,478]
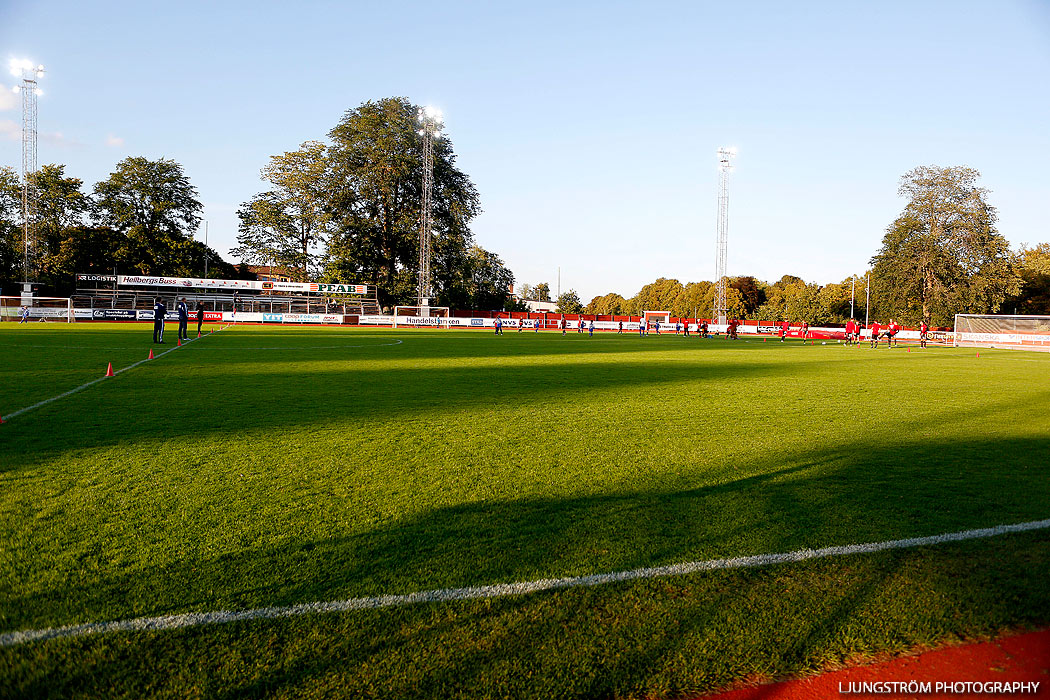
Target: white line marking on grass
[91,383]
[167,622]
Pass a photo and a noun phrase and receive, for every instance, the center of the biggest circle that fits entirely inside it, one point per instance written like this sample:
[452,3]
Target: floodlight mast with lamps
[725,156]
[430,119]
[29,74]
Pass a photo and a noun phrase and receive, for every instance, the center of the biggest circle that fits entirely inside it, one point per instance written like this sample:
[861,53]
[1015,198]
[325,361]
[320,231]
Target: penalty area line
[168,622]
[93,382]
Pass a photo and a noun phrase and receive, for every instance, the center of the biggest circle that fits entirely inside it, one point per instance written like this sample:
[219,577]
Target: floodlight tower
[29,74]
[430,119]
[725,156]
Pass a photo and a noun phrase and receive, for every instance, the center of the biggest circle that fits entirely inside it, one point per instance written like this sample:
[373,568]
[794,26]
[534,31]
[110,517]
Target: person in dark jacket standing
[184,317]
[159,311]
[200,317]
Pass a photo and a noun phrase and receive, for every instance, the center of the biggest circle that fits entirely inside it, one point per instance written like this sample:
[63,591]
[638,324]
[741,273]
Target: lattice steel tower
[430,118]
[725,156]
[29,74]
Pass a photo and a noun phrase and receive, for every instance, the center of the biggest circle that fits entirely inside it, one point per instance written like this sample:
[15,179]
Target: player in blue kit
[159,311]
[184,318]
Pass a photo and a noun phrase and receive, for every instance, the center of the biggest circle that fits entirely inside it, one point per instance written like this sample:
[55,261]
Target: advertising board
[114,314]
[231,285]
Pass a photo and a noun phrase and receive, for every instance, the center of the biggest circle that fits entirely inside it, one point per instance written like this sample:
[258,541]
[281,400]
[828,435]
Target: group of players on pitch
[879,332]
[853,335]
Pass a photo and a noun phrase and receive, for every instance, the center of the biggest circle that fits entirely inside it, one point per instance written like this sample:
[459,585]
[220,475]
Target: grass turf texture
[271,466]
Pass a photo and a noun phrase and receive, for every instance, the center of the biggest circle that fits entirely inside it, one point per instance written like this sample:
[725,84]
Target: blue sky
[589,128]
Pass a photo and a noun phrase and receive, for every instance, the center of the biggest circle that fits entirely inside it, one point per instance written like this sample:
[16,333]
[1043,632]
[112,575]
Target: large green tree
[942,255]
[152,204]
[1034,297]
[569,303]
[539,292]
[289,224]
[696,300]
[660,295]
[61,207]
[609,304]
[752,293]
[10,229]
[377,161]
[479,280]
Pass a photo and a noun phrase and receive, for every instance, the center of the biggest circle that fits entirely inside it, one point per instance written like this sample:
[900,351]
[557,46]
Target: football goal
[32,309]
[1014,332]
[433,316]
[662,317]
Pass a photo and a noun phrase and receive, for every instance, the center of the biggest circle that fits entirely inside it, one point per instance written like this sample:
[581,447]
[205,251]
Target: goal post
[417,316]
[1008,332]
[35,309]
[663,317]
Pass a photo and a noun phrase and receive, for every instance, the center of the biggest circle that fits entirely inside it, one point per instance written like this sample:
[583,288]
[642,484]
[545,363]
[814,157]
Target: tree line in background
[350,211]
[140,219]
[941,256]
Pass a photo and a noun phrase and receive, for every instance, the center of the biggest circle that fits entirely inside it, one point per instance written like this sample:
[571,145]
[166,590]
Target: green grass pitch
[267,466]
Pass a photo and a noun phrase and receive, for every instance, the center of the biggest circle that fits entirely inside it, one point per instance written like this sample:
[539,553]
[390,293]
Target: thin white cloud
[57,138]
[8,99]
[114,141]
[10,130]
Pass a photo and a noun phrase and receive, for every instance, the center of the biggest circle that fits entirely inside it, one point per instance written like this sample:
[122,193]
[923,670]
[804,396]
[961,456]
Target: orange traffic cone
[198,334]
[150,354]
[178,343]
[109,370]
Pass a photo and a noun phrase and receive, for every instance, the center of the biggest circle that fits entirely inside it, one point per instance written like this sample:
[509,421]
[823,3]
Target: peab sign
[342,288]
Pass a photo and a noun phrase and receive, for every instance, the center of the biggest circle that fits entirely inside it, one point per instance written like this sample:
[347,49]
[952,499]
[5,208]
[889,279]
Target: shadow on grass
[823,499]
[141,408]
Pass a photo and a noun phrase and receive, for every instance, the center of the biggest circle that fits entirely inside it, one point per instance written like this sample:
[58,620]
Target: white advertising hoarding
[238,285]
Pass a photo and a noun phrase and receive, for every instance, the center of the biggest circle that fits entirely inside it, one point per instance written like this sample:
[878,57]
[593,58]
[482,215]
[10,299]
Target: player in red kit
[893,330]
[784,328]
[875,328]
[923,331]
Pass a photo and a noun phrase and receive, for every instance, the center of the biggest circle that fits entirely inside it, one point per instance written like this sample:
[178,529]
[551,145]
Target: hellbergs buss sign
[265,286]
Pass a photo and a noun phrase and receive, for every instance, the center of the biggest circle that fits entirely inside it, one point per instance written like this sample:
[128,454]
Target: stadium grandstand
[127,294]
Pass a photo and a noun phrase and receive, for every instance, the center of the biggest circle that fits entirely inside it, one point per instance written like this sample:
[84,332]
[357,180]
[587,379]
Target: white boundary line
[167,622]
[93,382]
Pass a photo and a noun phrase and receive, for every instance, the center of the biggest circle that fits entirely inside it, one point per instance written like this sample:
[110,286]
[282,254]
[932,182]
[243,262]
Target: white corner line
[93,382]
[167,622]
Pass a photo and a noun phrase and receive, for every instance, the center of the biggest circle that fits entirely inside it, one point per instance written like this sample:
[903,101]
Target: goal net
[34,309]
[661,317]
[433,316]
[1015,332]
